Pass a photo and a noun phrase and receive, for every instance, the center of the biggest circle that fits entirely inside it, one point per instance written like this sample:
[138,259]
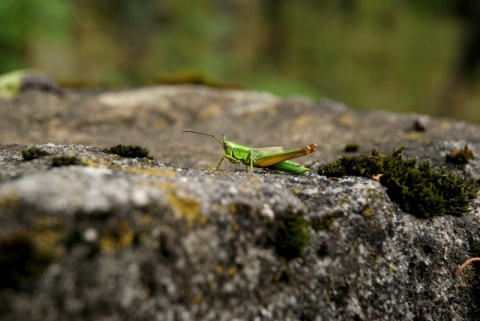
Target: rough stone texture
[116,238]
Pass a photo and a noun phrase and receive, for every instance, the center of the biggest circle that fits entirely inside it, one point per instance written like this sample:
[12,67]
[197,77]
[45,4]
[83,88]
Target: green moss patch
[351,148]
[460,156]
[131,151]
[65,160]
[33,153]
[419,188]
[292,236]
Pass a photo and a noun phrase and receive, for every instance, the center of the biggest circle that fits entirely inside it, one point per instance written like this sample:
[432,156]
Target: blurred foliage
[371,54]
[27,22]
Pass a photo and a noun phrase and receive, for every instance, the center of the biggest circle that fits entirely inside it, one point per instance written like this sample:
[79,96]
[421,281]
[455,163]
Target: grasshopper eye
[225,146]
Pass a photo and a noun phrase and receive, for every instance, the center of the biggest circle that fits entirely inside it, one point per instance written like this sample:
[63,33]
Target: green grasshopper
[264,157]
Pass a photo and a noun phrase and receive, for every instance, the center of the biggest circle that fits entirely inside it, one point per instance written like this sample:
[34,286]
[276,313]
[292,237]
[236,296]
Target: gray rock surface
[114,238]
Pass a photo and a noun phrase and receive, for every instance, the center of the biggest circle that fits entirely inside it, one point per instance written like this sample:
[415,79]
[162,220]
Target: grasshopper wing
[273,157]
[267,150]
[258,153]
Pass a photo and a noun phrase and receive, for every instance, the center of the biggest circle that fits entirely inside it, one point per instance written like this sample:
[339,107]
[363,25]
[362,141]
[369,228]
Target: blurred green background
[370,54]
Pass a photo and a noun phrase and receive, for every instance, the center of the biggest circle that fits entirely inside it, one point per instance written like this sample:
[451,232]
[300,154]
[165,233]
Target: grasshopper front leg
[230,158]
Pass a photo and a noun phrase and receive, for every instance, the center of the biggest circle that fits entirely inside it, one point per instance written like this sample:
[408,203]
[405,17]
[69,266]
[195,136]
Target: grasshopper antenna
[201,133]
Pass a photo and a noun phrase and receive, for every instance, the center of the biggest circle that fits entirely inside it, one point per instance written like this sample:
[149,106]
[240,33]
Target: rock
[13,83]
[113,238]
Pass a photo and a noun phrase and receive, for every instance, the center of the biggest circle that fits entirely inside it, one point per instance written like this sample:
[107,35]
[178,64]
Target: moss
[460,156]
[292,235]
[131,151]
[419,189]
[351,148]
[33,153]
[65,160]
[193,78]
[21,262]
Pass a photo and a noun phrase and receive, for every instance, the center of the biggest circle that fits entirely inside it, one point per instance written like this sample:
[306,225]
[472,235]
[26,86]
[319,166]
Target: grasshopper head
[227,146]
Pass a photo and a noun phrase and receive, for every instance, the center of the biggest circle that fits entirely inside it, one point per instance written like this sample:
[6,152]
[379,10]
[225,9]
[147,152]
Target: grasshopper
[264,157]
